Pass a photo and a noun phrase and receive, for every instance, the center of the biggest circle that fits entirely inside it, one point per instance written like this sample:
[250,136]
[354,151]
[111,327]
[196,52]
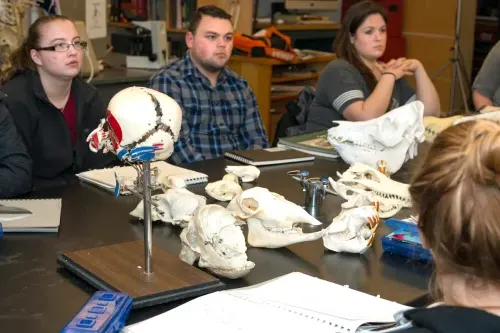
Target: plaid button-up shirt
[214,119]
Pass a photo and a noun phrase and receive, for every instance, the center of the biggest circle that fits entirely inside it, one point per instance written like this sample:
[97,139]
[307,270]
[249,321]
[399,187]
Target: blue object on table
[1,230]
[405,240]
[104,312]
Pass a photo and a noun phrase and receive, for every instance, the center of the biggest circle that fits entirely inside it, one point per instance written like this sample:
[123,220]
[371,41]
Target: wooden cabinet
[275,83]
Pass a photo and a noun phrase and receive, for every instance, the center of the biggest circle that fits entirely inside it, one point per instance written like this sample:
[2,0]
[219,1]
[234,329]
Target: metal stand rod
[148,228]
[455,56]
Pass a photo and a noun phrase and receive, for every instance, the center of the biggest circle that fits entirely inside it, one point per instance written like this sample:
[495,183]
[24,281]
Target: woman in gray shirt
[356,86]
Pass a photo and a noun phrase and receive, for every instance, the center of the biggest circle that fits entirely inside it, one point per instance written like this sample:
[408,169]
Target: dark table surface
[38,295]
[122,75]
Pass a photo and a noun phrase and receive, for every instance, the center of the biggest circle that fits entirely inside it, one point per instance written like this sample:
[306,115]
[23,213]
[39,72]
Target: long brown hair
[21,59]
[456,194]
[354,17]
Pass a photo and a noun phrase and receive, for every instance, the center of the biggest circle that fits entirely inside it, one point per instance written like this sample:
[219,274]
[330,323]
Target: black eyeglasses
[63,47]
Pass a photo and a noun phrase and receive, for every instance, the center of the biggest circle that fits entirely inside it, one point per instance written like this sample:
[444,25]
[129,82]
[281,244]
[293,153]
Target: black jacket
[451,319]
[15,163]
[45,132]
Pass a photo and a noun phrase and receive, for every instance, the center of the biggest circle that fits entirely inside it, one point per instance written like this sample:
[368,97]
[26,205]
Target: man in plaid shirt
[220,112]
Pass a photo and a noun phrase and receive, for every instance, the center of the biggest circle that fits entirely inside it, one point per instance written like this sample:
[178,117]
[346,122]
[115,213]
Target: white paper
[95,18]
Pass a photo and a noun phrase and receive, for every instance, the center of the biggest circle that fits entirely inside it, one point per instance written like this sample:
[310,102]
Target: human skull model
[352,230]
[136,118]
[363,185]
[272,219]
[175,206]
[393,137]
[213,238]
[247,173]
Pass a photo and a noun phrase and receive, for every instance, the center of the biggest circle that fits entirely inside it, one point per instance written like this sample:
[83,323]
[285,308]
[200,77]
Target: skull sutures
[214,240]
[138,117]
[393,137]
[272,220]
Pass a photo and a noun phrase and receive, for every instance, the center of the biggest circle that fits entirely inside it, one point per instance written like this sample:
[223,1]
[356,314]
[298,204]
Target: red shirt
[69,112]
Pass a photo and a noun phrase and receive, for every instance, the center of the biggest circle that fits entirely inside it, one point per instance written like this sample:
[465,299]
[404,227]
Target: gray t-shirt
[487,81]
[340,85]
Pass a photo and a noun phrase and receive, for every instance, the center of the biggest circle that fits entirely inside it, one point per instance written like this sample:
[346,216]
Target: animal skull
[492,115]
[271,219]
[247,173]
[213,238]
[225,189]
[352,230]
[393,137]
[175,206]
[138,117]
[363,185]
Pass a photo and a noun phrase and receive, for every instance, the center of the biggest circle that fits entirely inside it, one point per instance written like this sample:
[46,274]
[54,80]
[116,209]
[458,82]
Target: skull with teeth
[138,117]
[393,137]
[214,240]
[363,185]
[352,230]
[272,220]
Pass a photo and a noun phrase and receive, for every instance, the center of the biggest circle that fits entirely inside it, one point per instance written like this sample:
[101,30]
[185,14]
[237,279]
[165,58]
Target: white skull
[138,117]
[271,219]
[175,206]
[225,189]
[363,185]
[393,137]
[492,115]
[247,173]
[213,238]
[352,230]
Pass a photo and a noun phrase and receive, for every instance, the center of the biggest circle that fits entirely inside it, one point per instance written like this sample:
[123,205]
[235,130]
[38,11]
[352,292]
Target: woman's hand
[398,68]
[413,65]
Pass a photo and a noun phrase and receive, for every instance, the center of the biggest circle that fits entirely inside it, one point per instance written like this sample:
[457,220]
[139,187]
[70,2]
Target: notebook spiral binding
[308,314]
[238,158]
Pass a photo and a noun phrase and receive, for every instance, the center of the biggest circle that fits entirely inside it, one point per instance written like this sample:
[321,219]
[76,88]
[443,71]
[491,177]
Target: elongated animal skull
[213,238]
[138,117]
[393,137]
[272,220]
[175,206]
[352,230]
[363,185]
[247,173]
[225,189]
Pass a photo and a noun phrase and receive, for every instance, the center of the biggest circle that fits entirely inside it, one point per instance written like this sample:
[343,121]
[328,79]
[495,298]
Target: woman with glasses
[53,108]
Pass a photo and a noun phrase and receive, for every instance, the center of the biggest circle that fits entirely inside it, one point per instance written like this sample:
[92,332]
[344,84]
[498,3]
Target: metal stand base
[120,268]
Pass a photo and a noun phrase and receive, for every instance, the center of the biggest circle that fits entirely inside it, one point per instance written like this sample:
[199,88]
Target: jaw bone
[225,189]
[175,206]
[272,219]
[352,230]
[362,185]
[213,239]
[247,173]
[393,137]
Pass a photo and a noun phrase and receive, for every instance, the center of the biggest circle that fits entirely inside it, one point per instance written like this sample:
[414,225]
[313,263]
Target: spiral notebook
[30,215]
[269,156]
[105,178]
[295,302]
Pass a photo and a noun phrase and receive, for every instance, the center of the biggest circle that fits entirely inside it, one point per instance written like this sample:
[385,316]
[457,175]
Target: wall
[429,27]
[264,10]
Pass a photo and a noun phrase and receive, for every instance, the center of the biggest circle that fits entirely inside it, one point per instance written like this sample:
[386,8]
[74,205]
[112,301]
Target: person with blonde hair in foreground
[456,194]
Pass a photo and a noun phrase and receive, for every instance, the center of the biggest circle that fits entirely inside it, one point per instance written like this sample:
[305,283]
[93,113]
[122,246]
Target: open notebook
[295,302]
[106,179]
[30,215]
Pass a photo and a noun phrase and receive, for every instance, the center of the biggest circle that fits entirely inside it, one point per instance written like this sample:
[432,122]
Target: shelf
[293,78]
[120,24]
[300,27]
[283,97]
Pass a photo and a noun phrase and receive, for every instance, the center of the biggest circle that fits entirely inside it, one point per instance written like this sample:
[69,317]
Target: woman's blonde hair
[21,58]
[456,194]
